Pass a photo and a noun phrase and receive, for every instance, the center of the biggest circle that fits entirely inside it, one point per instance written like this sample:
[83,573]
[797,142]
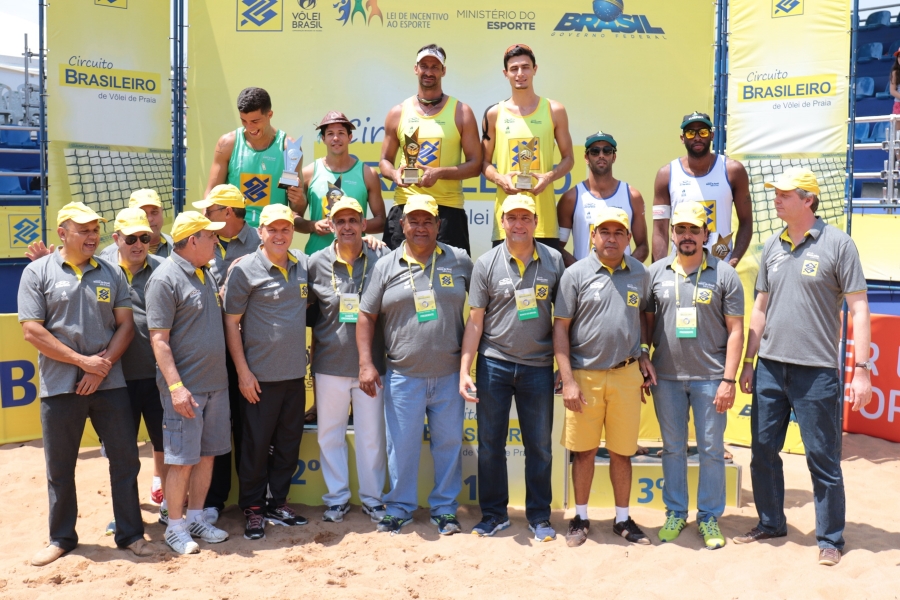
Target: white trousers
[334,396]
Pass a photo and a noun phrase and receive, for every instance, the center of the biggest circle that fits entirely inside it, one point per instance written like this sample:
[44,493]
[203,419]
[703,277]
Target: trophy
[722,246]
[411,154]
[292,156]
[333,194]
[526,156]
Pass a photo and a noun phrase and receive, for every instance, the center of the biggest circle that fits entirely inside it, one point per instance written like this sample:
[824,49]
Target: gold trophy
[333,194]
[722,246]
[411,154]
[526,157]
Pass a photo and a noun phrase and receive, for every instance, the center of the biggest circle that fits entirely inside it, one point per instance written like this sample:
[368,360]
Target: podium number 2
[302,466]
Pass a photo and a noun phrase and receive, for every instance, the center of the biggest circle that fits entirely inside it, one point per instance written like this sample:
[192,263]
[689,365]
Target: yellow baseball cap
[223,195]
[275,212]
[145,197]
[78,212]
[132,220]
[519,201]
[190,222]
[346,203]
[796,178]
[610,214]
[421,202]
[691,213]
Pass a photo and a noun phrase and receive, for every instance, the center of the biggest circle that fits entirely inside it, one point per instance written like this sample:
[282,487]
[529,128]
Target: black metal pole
[42,143]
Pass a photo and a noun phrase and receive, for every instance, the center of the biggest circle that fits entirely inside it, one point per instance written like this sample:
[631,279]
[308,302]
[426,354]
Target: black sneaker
[446,524]
[578,531]
[629,530]
[284,515]
[391,524]
[256,524]
[488,526]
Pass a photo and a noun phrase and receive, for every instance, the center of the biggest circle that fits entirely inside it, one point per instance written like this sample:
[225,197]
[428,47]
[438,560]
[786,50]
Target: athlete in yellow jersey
[447,130]
[509,124]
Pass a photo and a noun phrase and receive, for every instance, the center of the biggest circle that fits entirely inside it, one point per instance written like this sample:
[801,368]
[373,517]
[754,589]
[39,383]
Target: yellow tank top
[511,132]
[439,146]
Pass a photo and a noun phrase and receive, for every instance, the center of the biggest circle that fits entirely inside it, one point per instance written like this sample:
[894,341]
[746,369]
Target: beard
[697,154]
[686,249]
[599,171]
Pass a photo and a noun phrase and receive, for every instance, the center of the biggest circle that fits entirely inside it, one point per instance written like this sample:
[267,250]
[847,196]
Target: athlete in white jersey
[578,207]
[716,182]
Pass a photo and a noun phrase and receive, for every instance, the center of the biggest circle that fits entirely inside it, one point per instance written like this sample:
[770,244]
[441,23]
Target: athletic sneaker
[111,528]
[376,513]
[284,515]
[543,531]
[391,524]
[163,516]
[256,524]
[335,514]
[446,524]
[578,531]
[207,532]
[488,526]
[672,528]
[629,530]
[210,514]
[156,495]
[179,540]
[711,534]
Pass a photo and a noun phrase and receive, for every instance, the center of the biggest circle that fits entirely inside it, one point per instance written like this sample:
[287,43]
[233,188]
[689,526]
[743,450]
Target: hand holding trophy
[292,155]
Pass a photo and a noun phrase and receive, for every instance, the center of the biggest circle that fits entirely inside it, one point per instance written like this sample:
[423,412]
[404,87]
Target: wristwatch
[865,365]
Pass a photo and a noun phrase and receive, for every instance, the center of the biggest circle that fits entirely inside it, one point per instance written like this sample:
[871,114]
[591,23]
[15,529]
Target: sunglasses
[605,150]
[682,229]
[131,239]
[690,134]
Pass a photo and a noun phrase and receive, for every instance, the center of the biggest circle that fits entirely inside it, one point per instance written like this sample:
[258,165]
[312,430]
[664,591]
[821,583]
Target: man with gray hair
[806,272]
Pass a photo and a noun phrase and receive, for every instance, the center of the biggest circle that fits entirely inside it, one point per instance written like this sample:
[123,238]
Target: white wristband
[564,234]
[661,211]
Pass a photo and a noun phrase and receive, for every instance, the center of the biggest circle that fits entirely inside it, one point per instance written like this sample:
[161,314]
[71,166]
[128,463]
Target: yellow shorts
[613,403]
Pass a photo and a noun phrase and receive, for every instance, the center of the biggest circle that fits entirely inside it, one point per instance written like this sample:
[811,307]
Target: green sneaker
[711,534]
[671,529]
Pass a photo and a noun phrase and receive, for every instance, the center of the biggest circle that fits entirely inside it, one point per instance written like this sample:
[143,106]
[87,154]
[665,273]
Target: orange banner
[881,418]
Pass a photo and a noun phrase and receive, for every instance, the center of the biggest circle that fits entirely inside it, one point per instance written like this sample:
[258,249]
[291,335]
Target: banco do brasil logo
[259,15]
[606,16]
[352,11]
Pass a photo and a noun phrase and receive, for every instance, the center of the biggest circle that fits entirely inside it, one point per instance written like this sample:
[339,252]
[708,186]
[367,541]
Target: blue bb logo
[786,8]
[259,15]
[23,231]
[608,10]
[429,152]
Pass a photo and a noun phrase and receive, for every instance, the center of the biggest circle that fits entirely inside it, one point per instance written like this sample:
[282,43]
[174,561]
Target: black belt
[624,363]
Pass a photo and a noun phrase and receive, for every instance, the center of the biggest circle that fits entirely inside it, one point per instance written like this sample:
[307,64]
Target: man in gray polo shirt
[510,327]
[805,274]
[160,244]
[418,291]
[265,319]
[185,321]
[338,275]
[696,315]
[597,339]
[76,311]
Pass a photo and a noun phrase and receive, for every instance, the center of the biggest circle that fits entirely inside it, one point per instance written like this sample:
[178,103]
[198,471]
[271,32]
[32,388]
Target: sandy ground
[351,560]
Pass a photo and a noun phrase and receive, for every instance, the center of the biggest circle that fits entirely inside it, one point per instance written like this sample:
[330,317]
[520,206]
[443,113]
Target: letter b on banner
[16,388]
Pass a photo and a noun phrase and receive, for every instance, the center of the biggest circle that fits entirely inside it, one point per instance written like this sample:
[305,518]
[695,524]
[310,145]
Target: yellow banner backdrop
[788,97]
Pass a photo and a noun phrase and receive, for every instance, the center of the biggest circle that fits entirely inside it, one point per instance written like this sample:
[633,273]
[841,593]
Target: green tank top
[353,184]
[256,174]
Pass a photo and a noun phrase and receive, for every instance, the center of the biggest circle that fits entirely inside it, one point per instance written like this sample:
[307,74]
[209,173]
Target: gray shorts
[207,434]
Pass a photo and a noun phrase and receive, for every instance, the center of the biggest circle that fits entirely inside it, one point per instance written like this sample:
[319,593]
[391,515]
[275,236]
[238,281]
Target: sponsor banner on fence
[881,418]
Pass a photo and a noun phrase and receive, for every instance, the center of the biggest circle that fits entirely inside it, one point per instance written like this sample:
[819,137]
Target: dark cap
[599,137]
[333,117]
[696,117]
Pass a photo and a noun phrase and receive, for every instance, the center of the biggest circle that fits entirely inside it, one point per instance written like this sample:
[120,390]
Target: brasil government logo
[259,15]
[348,14]
[606,16]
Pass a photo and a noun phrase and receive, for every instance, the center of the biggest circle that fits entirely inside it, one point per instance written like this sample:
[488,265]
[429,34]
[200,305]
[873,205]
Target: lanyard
[696,288]
[508,256]
[430,277]
[361,283]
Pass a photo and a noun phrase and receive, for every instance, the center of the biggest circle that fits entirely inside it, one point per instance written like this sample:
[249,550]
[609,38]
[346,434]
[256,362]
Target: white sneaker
[205,531]
[376,513]
[211,514]
[179,540]
[335,513]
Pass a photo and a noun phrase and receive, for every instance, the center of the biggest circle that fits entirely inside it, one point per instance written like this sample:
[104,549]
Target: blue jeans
[498,381]
[672,400]
[814,393]
[407,401]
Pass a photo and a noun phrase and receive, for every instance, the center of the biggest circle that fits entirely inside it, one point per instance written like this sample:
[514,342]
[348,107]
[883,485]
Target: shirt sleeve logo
[446,280]
[632,299]
[704,296]
[304,291]
[103,294]
[810,268]
[542,292]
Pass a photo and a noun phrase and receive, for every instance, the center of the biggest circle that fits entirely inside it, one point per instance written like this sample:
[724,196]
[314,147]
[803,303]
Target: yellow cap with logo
[519,201]
[275,212]
[223,195]
[796,178]
[78,212]
[132,220]
[145,197]
[691,213]
[346,203]
[190,222]
[610,214]
[421,202]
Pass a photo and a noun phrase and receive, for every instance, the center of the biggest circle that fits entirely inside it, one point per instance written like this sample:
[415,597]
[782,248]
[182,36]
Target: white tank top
[713,191]
[586,207]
